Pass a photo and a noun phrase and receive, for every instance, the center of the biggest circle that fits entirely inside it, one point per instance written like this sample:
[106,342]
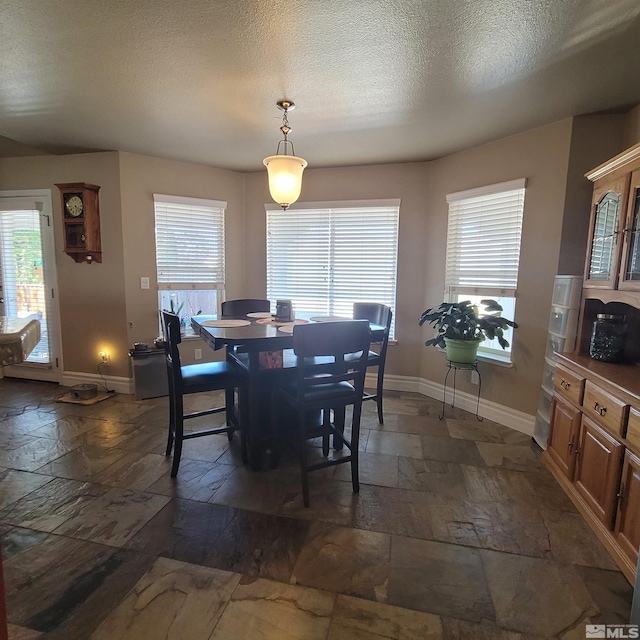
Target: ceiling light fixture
[284,170]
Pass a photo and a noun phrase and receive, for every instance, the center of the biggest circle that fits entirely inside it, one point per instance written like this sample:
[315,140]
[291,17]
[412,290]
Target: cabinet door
[628,516]
[603,259]
[563,435]
[598,470]
[630,269]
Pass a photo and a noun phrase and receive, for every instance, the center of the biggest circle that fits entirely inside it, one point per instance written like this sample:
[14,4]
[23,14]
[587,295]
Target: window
[483,250]
[189,255]
[326,256]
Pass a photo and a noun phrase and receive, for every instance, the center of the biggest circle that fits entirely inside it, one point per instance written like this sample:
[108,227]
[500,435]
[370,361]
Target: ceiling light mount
[285,169]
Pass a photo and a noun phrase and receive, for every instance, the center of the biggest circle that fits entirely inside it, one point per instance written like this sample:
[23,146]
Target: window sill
[501,361]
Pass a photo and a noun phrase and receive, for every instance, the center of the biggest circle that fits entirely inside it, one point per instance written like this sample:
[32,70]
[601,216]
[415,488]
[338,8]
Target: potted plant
[461,328]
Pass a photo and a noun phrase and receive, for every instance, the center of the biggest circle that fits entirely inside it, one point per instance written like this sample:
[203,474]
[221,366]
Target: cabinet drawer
[605,409]
[633,429]
[563,320]
[568,385]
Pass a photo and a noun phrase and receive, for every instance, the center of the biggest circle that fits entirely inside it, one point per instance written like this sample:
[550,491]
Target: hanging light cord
[286,130]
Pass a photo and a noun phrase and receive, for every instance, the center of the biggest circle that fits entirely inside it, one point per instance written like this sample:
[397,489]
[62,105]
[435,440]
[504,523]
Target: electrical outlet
[105,358]
[475,377]
[197,354]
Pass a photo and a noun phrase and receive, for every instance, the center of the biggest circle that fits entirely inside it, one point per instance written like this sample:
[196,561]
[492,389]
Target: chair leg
[179,432]
[229,396]
[274,445]
[303,460]
[355,453]
[379,394]
[338,422]
[172,422]
[243,418]
[326,422]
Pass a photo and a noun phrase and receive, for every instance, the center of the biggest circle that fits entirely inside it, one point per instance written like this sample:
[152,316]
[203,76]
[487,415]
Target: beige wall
[405,181]
[104,302]
[632,127]
[91,298]
[541,155]
[140,178]
[594,139]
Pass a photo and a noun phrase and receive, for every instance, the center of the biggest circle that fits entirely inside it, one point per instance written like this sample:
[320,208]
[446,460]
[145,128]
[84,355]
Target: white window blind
[189,243]
[483,240]
[326,256]
[483,250]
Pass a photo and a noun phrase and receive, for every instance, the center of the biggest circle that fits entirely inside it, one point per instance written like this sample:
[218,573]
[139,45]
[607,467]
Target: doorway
[28,277]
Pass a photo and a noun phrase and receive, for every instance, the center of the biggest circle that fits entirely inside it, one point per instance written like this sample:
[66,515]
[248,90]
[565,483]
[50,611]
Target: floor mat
[68,397]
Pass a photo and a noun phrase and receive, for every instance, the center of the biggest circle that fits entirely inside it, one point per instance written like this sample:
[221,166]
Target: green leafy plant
[461,321]
[175,309]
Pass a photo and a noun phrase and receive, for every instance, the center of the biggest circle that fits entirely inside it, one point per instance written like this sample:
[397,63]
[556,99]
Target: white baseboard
[115,383]
[506,416]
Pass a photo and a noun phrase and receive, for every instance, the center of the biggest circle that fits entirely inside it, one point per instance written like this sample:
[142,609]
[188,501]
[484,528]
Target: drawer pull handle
[599,409]
[565,385]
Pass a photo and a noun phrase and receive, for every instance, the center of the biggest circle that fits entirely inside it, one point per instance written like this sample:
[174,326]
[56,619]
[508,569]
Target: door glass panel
[21,268]
[604,237]
[633,259]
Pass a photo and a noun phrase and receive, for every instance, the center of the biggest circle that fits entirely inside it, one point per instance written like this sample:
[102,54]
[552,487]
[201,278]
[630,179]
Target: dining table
[263,347]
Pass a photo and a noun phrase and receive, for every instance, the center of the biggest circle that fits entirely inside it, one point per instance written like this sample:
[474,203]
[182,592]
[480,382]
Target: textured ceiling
[373,80]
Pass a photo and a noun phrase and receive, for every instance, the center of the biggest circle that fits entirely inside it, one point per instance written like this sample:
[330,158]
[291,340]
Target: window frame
[187,284]
[336,298]
[497,209]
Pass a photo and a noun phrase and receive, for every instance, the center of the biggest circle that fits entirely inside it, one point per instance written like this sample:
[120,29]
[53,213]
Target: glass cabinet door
[603,244]
[603,261]
[630,273]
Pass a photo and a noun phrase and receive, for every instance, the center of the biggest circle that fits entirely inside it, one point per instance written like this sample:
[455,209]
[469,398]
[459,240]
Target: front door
[28,279]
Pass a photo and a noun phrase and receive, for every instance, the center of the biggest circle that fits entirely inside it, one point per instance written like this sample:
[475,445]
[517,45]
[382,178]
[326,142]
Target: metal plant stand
[455,367]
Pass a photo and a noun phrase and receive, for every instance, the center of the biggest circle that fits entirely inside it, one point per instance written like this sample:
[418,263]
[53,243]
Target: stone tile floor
[458,532]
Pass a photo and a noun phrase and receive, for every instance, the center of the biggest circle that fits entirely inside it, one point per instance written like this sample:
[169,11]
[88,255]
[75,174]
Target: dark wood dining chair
[382,315]
[198,378]
[243,306]
[325,383]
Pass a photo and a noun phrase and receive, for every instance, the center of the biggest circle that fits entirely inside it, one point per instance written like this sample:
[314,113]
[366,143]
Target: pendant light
[284,170]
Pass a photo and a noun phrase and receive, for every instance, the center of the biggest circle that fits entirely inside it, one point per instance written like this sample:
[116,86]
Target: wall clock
[81,221]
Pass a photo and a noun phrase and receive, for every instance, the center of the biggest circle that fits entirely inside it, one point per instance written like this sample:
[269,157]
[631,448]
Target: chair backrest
[373,312]
[172,338]
[336,340]
[243,306]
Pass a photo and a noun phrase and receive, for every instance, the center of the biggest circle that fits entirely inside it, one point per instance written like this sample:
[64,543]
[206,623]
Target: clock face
[74,206]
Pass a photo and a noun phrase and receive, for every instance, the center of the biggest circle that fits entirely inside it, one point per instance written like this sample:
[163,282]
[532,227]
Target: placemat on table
[224,324]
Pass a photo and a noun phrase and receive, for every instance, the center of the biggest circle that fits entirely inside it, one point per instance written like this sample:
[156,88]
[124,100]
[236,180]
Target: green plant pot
[462,351]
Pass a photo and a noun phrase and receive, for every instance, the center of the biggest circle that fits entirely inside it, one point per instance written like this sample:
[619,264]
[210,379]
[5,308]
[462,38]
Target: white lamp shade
[285,178]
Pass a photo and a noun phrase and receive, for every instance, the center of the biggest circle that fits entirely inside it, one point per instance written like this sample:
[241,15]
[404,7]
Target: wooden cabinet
[595,426]
[81,221]
[628,517]
[594,447]
[613,255]
[597,475]
[563,436]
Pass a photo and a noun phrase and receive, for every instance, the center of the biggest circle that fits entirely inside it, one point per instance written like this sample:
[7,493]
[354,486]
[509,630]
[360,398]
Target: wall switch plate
[144,282]
[475,377]
[197,354]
